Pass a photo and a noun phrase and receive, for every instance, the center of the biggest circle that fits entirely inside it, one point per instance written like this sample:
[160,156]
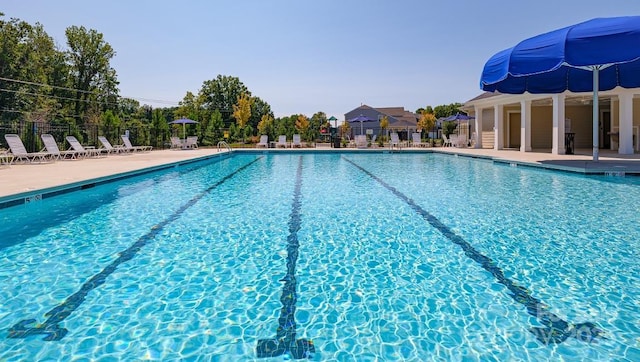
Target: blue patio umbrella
[183,122]
[361,118]
[458,117]
[595,55]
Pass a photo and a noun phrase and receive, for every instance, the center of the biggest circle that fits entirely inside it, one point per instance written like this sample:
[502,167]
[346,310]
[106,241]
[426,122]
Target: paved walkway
[26,178]
[19,179]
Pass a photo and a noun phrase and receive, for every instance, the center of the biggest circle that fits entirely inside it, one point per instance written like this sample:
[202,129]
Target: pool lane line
[50,327]
[556,329]
[285,340]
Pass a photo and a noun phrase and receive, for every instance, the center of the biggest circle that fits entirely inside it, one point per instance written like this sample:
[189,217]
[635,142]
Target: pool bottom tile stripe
[50,328]
[556,329]
[285,341]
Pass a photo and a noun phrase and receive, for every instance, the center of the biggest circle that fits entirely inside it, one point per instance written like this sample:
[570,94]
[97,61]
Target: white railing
[225,145]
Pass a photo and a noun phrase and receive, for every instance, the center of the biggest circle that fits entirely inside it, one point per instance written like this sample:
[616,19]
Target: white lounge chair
[51,146]
[395,141]
[264,141]
[108,148]
[132,148]
[20,153]
[296,141]
[373,140]
[361,141]
[416,140]
[282,141]
[82,152]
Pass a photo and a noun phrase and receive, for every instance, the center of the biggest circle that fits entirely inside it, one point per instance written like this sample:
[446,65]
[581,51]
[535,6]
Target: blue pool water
[346,257]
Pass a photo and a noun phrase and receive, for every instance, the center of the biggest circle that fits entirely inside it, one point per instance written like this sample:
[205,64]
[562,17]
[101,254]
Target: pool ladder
[225,145]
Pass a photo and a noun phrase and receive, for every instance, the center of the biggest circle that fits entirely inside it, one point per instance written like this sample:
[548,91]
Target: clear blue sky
[308,56]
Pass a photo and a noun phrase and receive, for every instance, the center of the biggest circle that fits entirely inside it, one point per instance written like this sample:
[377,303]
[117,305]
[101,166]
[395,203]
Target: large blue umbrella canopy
[595,55]
[183,122]
[361,118]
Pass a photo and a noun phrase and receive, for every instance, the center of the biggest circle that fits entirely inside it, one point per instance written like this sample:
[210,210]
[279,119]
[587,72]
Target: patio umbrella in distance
[183,122]
[361,118]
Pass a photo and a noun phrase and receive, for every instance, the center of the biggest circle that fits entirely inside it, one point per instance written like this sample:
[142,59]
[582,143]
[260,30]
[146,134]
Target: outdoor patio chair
[453,140]
[395,141]
[132,148]
[176,143]
[108,148]
[20,153]
[373,140]
[446,142]
[191,142]
[82,151]
[264,141]
[416,141]
[361,141]
[296,141]
[51,147]
[282,141]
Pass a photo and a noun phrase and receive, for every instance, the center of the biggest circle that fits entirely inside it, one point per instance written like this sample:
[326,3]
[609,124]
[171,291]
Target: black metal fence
[30,133]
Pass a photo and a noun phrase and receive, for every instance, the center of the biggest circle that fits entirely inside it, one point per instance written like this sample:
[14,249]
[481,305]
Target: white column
[557,143]
[478,127]
[525,126]
[626,124]
[498,127]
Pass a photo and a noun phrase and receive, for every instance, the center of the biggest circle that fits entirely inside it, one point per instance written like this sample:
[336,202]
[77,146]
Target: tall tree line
[76,85]
[40,81]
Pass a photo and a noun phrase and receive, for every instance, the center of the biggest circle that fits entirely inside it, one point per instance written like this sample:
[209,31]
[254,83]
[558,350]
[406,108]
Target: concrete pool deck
[17,180]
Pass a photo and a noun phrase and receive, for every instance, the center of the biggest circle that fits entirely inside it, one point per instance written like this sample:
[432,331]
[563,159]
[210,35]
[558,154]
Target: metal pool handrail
[225,145]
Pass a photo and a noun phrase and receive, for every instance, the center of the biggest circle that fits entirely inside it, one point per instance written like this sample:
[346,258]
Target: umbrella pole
[596,115]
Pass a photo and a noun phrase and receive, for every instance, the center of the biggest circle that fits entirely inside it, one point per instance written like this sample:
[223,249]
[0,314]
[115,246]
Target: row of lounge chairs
[281,143]
[18,153]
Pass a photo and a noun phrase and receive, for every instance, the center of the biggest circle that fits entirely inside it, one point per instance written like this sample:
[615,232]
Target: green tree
[317,121]
[448,128]
[259,108]
[28,58]
[221,94]
[215,126]
[446,110]
[160,128]
[88,56]
[110,124]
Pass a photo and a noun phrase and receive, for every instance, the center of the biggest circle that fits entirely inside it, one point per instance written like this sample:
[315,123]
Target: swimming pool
[329,256]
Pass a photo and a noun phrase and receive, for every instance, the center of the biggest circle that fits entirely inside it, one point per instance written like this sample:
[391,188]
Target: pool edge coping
[26,197]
